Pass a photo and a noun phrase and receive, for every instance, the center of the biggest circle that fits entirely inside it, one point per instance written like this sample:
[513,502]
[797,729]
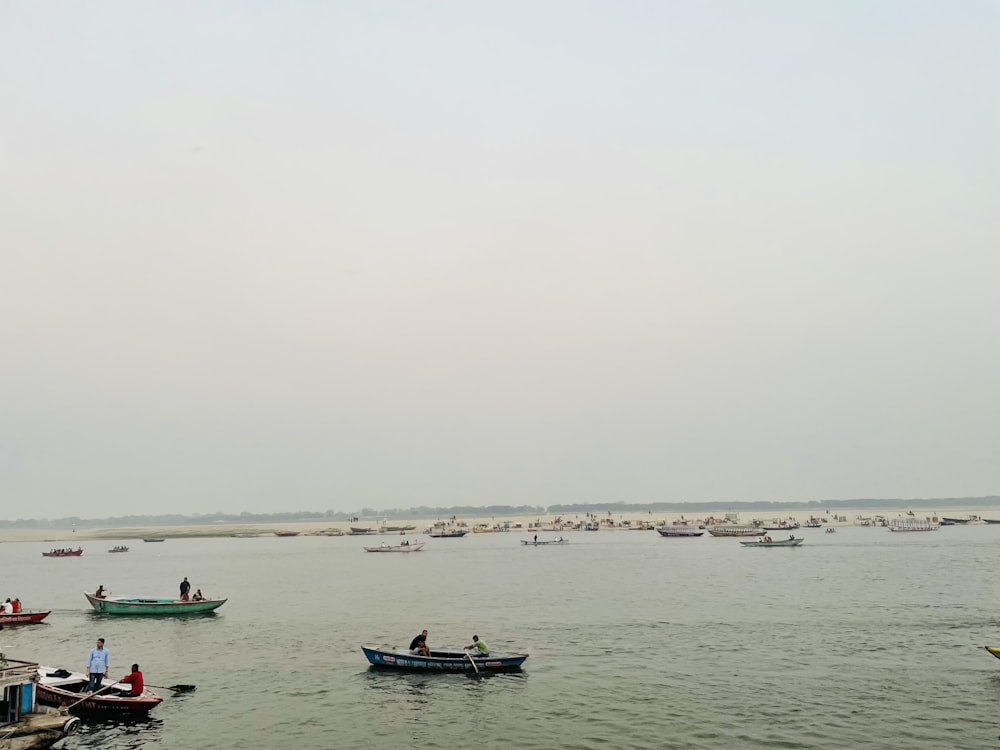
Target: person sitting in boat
[8,608]
[767,539]
[198,596]
[134,678]
[791,537]
[99,594]
[419,644]
[484,650]
[17,605]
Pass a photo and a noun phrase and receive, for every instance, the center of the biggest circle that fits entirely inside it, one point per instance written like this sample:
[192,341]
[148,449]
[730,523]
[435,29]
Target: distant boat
[791,542]
[118,549]
[63,553]
[154,540]
[447,534]
[678,529]
[912,524]
[990,520]
[396,548]
[359,531]
[148,605]
[951,521]
[287,533]
[543,543]
[735,530]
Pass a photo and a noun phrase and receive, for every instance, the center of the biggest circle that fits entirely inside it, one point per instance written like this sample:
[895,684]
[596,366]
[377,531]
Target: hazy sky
[320,255]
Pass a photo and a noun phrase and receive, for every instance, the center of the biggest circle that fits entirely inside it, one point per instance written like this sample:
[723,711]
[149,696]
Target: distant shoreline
[841,517]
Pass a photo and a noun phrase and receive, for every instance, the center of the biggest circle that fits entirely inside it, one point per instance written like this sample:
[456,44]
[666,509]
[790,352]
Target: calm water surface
[862,639]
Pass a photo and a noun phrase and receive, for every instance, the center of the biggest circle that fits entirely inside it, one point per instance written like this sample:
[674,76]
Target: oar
[89,696]
[473,662]
[175,688]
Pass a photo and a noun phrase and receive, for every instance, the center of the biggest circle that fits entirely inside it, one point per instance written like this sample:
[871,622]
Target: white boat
[912,524]
[406,547]
[678,529]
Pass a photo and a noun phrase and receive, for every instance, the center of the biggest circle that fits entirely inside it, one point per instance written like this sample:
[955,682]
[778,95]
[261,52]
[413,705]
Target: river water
[860,639]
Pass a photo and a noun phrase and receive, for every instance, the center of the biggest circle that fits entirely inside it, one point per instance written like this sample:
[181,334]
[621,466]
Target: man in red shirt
[135,680]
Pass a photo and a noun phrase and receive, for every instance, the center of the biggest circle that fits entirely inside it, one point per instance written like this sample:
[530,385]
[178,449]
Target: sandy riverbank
[841,517]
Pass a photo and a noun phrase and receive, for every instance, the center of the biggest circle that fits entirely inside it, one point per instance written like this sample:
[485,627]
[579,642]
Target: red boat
[63,689]
[23,618]
[63,553]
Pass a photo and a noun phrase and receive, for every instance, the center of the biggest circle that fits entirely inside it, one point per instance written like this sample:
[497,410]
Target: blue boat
[442,661]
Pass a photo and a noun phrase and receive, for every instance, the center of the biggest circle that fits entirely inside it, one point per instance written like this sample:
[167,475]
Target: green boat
[148,605]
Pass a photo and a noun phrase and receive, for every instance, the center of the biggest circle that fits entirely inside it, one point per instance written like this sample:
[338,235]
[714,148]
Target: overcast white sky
[304,255]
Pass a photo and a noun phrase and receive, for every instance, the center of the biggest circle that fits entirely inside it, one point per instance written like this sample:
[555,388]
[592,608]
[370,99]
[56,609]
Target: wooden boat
[26,725]
[61,688]
[782,526]
[678,529]
[362,531]
[397,547]
[442,661]
[447,534]
[23,618]
[63,553]
[147,605]
[993,650]
[154,539]
[953,521]
[735,530]
[990,520]
[544,543]
[118,549]
[287,533]
[790,542]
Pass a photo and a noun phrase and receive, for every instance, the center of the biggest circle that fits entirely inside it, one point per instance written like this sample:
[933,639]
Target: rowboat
[397,547]
[23,618]
[63,553]
[442,661]
[560,540]
[154,539]
[59,688]
[287,533]
[147,605]
[678,529]
[790,542]
[993,650]
[447,534]
[118,549]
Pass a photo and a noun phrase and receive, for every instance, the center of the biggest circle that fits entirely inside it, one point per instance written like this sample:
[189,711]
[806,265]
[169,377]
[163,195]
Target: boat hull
[71,553]
[442,661]
[544,544]
[397,548]
[23,618]
[136,605]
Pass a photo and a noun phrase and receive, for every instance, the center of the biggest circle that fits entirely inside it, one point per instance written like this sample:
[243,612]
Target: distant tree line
[467,511]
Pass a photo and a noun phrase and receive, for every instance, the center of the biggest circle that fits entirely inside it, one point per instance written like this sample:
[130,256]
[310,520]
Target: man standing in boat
[97,666]
[185,588]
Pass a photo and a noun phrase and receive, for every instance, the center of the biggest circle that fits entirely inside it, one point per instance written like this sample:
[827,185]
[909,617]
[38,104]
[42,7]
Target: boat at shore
[416,547]
[155,539]
[362,531]
[145,605]
[65,689]
[768,542]
[23,618]
[287,533]
[455,534]
[734,530]
[27,724]
[679,529]
[63,553]
[442,661]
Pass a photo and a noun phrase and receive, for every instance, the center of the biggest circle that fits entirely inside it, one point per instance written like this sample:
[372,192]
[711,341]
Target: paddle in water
[175,688]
